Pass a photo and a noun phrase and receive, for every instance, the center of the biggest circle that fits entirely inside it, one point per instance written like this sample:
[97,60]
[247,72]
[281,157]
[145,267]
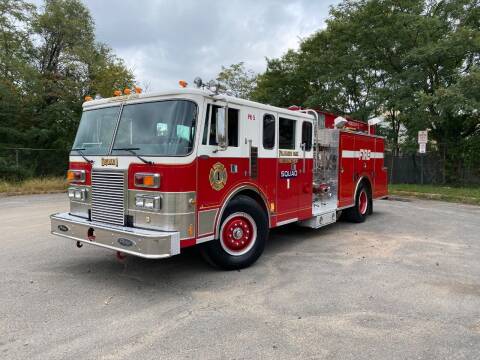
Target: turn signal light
[76,175]
[147,180]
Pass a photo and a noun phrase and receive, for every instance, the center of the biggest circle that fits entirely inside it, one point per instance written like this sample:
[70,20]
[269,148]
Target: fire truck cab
[151,174]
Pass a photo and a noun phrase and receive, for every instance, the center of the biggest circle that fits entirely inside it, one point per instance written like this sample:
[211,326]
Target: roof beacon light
[183,83]
[138,90]
[88,98]
[117,93]
[127,91]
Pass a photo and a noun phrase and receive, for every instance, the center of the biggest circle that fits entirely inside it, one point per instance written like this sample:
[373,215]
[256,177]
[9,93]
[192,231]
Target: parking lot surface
[403,285]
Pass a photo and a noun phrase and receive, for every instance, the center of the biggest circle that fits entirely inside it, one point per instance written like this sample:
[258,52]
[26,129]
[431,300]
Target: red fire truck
[152,174]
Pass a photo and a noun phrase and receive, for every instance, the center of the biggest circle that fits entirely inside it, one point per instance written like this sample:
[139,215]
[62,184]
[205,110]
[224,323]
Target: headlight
[77,194]
[139,202]
[148,202]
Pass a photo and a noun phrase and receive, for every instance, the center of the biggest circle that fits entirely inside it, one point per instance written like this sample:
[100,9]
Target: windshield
[95,133]
[164,128]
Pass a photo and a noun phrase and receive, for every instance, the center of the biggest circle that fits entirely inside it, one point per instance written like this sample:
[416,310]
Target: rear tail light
[76,176]
[144,180]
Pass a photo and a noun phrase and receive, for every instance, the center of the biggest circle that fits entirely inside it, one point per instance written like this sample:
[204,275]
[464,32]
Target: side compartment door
[346,169]
[365,147]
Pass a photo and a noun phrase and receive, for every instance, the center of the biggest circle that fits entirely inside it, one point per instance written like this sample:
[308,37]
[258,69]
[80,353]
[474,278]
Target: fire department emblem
[218,176]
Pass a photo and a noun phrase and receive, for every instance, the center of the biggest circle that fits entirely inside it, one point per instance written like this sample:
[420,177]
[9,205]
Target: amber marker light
[147,180]
[272,207]
[183,83]
[76,176]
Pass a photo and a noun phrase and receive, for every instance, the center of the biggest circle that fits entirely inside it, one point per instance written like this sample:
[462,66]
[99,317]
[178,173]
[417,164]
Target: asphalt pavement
[403,285]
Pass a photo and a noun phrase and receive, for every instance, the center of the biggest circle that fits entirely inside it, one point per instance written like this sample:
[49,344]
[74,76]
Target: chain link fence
[18,163]
[432,168]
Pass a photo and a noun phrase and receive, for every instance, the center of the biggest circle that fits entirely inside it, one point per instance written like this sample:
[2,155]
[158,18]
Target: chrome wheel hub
[237,233]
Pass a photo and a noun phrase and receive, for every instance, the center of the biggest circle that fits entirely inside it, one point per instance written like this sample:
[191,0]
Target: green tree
[237,80]
[107,72]
[49,60]
[283,83]
[71,65]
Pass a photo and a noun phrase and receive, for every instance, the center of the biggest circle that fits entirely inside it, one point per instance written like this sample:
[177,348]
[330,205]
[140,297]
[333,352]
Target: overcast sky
[164,41]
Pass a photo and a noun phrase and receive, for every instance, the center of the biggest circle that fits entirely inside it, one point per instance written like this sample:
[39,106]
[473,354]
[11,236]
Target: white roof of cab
[189,91]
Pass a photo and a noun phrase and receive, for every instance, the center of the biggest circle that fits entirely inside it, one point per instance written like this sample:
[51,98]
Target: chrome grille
[108,197]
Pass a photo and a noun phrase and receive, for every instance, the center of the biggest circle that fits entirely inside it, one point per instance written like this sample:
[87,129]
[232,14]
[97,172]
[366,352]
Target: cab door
[288,168]
[220,169]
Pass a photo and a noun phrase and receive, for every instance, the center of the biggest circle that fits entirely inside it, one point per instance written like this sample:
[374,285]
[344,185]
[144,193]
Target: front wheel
[243,232]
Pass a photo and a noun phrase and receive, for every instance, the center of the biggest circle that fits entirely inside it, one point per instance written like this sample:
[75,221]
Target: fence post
[17,160]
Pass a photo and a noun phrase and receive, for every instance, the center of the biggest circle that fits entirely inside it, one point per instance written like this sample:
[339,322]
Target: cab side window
[233,127]
[210,133]
[307,135]
[268,132]
[286,134]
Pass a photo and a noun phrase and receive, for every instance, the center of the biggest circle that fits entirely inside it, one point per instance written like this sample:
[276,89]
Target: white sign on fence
[423,148]
[423,137]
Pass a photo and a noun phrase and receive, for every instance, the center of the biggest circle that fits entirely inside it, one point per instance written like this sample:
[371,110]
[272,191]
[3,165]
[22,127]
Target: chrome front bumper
[147,244]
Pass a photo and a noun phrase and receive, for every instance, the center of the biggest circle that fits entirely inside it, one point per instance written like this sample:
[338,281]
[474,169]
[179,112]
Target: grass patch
[33,186]
[466,195]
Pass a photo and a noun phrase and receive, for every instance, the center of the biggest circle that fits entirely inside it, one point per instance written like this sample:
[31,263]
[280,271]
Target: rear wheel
[243,232]
[363,205]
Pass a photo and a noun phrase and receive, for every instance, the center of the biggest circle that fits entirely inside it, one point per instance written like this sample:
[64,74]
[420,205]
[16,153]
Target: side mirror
[222,127]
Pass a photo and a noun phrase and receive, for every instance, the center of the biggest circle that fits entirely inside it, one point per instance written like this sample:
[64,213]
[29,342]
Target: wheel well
[255,196]
[251,194]
[367,183]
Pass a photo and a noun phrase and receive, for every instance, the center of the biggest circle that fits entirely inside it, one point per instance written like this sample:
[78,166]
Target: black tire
[363,205]
[244,221]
